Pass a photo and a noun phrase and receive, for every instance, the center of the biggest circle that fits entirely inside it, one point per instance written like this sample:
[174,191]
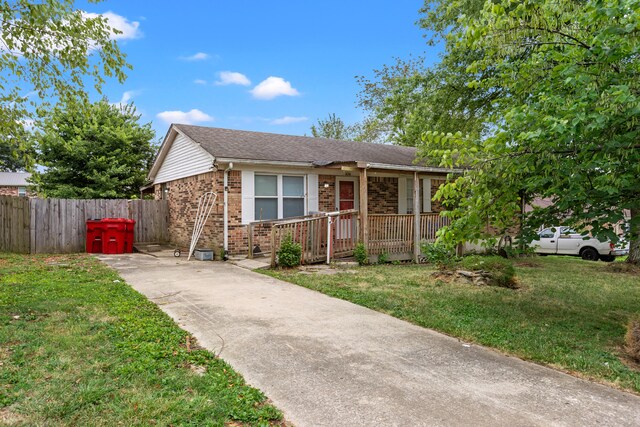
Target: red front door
[347,195]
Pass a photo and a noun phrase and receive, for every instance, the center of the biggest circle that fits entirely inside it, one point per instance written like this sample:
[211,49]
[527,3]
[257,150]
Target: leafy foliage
[92,151]
[289,253]
[531,99]
[360,254]
[48,51]
[383,258]
[438,254]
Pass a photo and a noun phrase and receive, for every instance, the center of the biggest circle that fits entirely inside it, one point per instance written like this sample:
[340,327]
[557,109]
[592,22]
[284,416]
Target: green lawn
[81,347]
[568,313]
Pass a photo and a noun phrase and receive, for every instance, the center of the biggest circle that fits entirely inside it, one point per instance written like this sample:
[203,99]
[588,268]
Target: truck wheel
[607,258]
[589,254]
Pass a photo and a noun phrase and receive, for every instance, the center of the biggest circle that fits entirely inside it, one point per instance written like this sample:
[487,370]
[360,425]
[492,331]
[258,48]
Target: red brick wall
[182,197]
[13,191]
[326,196]
[436,206]
[383,195]
[8,191]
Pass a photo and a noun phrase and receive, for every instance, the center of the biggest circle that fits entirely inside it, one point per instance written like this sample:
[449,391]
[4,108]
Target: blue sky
[272,66]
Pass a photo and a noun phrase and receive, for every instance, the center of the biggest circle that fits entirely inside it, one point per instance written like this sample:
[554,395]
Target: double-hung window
[278,196]
[22,191]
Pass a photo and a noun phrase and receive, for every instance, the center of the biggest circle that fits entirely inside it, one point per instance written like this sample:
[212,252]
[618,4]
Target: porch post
[364,208]
[416,217]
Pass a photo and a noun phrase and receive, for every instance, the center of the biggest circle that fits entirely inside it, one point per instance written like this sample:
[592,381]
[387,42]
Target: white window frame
[22,191]
[280,192]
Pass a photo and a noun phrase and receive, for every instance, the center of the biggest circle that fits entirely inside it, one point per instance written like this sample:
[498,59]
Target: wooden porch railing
[335,235]
[393,234]
[322,237]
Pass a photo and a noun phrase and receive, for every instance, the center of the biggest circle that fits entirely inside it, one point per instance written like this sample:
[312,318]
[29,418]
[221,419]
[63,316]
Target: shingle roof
[240,144]
[14,179]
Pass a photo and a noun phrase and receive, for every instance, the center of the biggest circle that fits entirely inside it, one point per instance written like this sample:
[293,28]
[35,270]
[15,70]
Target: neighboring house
[264,176]
[14,184]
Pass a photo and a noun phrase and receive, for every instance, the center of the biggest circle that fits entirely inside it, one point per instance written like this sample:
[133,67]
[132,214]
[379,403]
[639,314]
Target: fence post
[250,240]
[416,218]
[273,245]
[329,223]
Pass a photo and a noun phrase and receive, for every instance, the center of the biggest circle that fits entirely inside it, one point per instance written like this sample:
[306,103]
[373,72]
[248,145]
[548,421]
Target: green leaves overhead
[565,127]
[49,51]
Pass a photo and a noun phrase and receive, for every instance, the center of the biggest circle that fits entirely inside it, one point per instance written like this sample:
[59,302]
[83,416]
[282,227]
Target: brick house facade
[194,160]
[182,195]
[15,184]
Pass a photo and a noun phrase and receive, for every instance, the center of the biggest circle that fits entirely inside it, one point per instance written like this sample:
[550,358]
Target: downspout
[225,215]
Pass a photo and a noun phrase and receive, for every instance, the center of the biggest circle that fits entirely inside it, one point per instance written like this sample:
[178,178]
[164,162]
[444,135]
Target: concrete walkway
[325,361]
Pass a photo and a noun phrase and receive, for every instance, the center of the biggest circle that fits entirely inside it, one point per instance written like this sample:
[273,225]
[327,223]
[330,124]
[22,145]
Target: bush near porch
[567,313]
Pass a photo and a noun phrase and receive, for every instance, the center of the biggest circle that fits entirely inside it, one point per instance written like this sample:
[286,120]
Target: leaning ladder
[205,205]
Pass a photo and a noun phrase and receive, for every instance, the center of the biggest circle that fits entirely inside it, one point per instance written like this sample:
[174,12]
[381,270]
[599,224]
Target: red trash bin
[129,236]
[94,236]
[113,236]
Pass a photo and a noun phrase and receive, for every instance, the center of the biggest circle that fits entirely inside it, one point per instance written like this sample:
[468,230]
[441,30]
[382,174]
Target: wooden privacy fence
[59,225]
[322,238]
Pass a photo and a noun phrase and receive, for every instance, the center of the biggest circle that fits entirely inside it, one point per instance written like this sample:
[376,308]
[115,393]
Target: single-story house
[14,184]
[262,178]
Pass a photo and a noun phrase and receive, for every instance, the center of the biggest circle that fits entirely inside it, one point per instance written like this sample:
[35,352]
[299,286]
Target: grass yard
[568,313]
[81,347]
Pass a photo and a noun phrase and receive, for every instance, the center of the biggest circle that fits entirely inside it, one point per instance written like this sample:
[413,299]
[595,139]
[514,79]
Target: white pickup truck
[566,241]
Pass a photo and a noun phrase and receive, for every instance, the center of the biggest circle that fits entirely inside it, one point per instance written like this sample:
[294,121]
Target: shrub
[500,270]
[289,253]
[383,258]
[360,254]
[438,254]
[632,338]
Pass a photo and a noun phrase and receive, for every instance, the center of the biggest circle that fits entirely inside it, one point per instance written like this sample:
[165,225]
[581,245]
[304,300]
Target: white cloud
[128,29]
[273,87]
[126,97]
[185,117]
[200,56]
[200,82]
[232,78]
[286,120]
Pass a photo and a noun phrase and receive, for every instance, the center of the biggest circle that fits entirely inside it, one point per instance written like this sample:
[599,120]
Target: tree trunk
[634,249]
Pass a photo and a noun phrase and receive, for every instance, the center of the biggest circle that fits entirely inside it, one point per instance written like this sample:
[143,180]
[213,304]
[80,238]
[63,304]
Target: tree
[93,150]
[404,99]
[564,126]
[333,127]
[47,51]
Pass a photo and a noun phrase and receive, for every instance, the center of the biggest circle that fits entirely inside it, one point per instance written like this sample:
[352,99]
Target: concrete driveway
[325,361]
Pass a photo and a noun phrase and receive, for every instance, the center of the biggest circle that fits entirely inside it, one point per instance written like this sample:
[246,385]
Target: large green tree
[565,125]
[92,151]
[49,50]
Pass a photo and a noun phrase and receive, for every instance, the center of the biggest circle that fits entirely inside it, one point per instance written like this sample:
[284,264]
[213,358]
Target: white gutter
[407,168]
[264,162]
[225,218]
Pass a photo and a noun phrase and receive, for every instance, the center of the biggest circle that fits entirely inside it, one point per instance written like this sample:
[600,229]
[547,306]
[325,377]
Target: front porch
[326,236]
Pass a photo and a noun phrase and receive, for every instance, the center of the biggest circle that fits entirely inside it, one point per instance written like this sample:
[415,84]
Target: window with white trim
[278,196]
[409,195]
[22,191]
